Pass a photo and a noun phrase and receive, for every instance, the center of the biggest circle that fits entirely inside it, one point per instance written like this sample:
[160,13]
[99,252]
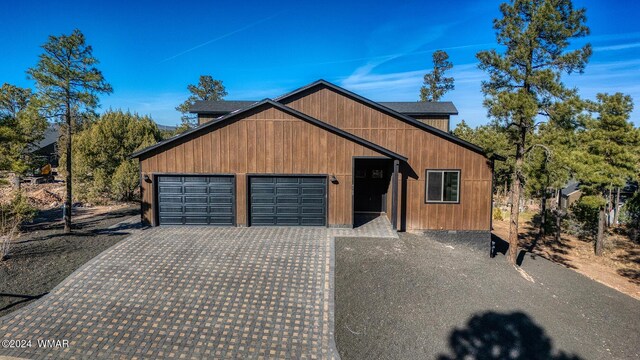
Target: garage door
[288,200]
[201,200]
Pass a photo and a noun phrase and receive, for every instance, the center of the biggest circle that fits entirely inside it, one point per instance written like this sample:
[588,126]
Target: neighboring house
[47,148]
[570,194]
[316,156]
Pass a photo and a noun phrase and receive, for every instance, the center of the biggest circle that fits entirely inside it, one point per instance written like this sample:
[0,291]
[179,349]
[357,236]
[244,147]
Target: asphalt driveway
[419,298]
[189,292]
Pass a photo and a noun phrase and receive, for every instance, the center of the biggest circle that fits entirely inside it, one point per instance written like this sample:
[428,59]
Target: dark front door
[288,200]
[371,184]
[197,200]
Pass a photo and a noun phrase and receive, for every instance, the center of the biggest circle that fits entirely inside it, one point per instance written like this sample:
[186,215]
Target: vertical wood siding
[438,122]
[264,142]
[424,151]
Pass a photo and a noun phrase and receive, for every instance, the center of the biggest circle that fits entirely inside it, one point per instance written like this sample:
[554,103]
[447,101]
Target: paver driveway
[191,292]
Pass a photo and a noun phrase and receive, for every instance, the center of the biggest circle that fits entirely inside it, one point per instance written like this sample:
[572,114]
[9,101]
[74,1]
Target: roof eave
[428,113]
[209,112]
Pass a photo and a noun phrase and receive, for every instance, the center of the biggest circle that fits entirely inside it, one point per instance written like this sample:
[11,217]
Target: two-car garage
[211,200]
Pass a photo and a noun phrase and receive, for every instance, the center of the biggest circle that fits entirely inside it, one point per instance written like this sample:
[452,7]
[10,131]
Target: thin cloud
[388,57]
[617,47]
[220,37]
[413,42]
[609,37]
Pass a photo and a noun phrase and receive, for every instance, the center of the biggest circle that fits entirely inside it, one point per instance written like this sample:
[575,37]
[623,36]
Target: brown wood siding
[424,151]
[264,142]
[204,118]
[438,122]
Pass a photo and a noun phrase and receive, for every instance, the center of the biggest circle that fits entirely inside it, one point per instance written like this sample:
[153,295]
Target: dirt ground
[618,268]
[42,196]
[43,255]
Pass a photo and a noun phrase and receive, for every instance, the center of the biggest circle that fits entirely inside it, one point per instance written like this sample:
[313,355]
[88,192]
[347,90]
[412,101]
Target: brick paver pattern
[377,226]
[191,292]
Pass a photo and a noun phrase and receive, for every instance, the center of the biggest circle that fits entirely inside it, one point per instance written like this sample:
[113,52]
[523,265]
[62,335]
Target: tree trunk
[543,213]
[609,207]
[69,199]
[616,209]
[15,181]
[559,214]
[516,189]
[600,237]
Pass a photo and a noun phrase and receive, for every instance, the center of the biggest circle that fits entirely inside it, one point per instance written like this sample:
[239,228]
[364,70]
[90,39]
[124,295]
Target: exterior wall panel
[424,151]
[263,142]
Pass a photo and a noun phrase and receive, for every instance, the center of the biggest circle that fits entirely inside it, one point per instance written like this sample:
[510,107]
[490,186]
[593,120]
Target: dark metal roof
[421,108]
[285,109]
[405,107]
[391,112]
[219,107]
[50,136]
[571,187]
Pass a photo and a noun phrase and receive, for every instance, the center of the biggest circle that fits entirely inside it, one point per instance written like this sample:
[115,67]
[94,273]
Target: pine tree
[21,126]
[207,88]
[609,153]
[494,140]
[68,85]
[548,165]
[525,79]
[435,83]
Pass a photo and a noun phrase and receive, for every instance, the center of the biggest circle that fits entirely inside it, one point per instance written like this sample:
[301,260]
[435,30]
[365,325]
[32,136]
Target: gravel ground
[413,298]
[44,256]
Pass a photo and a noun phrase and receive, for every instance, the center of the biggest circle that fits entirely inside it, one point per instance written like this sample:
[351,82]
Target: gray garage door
[201,200]
[288,200]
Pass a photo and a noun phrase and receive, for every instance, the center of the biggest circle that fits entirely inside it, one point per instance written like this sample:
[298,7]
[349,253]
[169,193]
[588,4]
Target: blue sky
[150,50]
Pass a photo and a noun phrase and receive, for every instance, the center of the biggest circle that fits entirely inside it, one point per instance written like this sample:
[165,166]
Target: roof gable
[270,103]
[299,93]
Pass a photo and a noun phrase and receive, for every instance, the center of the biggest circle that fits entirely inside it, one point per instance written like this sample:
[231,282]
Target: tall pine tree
[68,85]
[525,78]
[436,84]
[207,88]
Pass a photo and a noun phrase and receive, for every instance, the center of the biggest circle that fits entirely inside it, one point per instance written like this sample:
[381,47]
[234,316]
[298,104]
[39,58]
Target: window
[443,186]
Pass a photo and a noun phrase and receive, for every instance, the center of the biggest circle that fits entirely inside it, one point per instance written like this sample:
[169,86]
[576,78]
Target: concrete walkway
[190,292]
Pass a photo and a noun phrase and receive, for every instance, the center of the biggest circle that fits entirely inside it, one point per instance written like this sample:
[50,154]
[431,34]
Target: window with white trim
[442,186]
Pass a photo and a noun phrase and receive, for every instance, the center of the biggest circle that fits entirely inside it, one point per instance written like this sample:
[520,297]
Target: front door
[371,184]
